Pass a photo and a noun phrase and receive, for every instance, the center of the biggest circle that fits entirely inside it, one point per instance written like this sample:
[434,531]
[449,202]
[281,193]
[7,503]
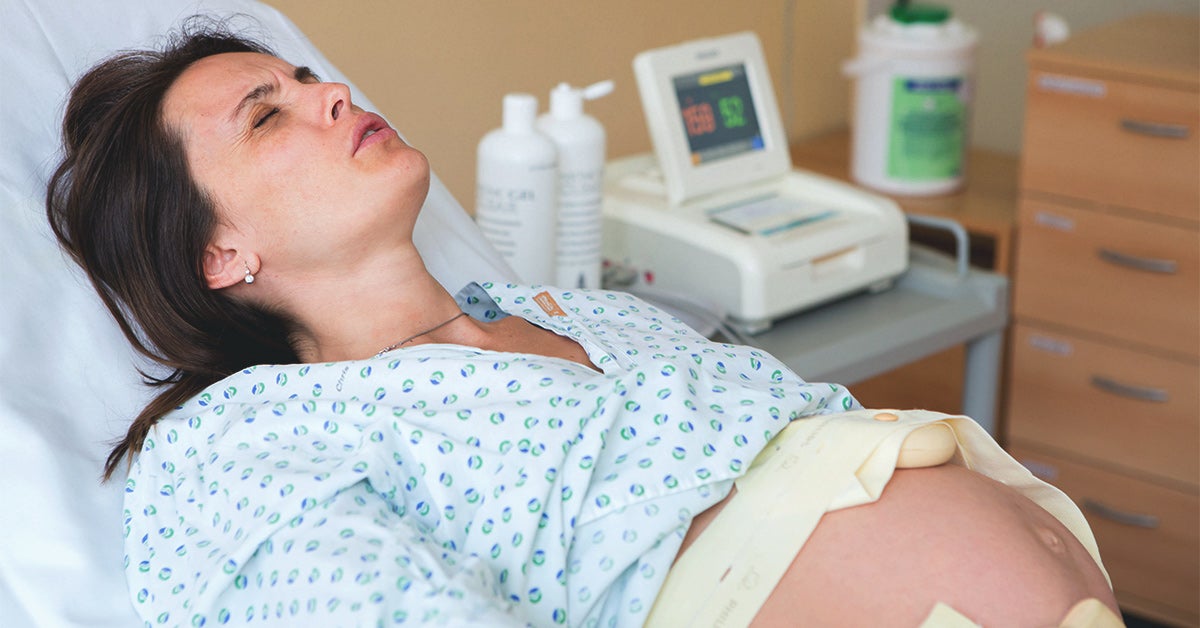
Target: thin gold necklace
[415,336]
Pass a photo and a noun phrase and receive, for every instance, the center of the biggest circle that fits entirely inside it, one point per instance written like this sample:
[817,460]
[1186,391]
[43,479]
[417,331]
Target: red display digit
[698,119]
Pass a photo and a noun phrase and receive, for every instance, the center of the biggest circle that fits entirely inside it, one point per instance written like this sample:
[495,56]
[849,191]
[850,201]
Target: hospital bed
[68,380]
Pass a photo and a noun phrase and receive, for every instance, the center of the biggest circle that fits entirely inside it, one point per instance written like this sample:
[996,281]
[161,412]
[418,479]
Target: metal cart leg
[981,375]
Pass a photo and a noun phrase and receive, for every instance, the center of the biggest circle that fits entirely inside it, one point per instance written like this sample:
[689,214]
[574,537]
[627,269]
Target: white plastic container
[914,74]
[580,141]
[516,187]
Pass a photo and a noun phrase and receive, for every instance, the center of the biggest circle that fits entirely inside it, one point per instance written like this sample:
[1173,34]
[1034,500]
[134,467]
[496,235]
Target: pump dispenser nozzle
[567,102]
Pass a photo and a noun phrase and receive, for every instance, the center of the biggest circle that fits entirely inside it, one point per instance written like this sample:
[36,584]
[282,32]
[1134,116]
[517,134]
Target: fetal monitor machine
[718,213]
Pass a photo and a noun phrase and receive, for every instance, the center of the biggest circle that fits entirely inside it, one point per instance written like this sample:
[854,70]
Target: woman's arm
[349,559]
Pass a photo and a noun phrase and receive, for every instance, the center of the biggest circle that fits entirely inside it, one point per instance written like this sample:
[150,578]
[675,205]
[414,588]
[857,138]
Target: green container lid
[906,13]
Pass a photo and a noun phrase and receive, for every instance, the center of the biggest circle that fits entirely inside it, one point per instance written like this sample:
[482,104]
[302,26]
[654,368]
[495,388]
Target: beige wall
[438,70]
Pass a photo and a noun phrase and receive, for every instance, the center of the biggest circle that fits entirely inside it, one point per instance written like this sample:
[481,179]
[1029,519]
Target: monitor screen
[718,113]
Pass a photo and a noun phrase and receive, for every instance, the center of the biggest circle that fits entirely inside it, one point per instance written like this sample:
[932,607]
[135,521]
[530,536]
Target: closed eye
[263,120]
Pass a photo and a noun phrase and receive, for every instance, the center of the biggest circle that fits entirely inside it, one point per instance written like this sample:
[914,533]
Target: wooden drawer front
[1120,277]
[1108,404]
[1147,534]
[1114,143]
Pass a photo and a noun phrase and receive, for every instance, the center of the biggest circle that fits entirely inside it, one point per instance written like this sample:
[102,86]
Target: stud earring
[249,275]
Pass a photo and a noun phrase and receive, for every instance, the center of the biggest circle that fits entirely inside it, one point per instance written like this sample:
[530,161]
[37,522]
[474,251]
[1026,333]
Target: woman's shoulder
[259,384]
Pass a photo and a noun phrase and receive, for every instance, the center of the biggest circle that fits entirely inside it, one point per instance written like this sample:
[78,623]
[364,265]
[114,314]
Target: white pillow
[68,380]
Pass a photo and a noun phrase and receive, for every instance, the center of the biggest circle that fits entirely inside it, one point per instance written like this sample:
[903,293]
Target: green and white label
[928,133]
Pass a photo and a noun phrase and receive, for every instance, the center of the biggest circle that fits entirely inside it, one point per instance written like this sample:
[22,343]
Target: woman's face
[302,178]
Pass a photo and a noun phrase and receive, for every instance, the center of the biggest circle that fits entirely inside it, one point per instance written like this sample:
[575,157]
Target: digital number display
[718,113]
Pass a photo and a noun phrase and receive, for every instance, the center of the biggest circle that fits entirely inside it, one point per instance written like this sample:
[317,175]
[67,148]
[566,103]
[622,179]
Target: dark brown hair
[124,205]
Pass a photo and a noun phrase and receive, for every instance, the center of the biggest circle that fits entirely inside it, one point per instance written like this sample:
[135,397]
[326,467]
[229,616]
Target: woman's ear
[224,267]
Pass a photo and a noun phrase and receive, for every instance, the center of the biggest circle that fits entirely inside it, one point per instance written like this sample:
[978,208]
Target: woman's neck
[354,312]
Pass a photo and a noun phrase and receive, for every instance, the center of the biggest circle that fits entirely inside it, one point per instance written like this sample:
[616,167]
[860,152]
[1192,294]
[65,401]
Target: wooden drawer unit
[1103,395]
[1129,409]
[1148,535]
[1105,273]
[1130,145]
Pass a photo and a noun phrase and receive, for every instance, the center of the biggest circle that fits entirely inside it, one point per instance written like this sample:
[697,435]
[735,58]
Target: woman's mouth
[370,129]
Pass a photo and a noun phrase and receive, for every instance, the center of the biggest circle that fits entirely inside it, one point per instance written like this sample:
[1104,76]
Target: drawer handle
[1155,129]
[1137,520]
[1147,264]
[1141,393]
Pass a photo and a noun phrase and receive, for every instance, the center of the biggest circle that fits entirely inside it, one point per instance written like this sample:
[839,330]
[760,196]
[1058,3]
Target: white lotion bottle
[516,192]
[580,140]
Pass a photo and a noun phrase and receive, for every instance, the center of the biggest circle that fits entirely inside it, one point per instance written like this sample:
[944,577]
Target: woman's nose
[335,100]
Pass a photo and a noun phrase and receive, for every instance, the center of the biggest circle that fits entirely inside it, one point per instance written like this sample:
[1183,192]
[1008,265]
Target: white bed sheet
[68,380]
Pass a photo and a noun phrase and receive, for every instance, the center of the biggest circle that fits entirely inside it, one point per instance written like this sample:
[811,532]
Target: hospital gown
[453,485]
